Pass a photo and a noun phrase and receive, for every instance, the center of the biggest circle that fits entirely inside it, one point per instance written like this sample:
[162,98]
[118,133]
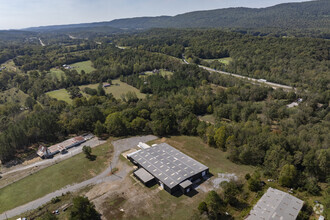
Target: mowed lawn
[60,94]
[50,179]
[56,73]
[162,72]
[117,89]
[214,158]
[87,66]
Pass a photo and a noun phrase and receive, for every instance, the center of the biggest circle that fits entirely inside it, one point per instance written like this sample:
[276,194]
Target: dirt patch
[28,162]
[112,207]
[128,198]
[214,182]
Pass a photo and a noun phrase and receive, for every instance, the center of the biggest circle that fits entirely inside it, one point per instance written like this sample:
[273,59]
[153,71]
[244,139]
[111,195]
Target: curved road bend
[119,147]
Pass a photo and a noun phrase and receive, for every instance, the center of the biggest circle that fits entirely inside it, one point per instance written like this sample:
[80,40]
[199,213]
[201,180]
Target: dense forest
[300,62]
[252,122]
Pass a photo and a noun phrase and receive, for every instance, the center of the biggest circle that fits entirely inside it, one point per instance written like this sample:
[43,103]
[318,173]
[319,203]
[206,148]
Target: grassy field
[162,72]
[117,89]
[10,66]
[13,95]
[60,94]
[225,60]
[208,118]
[87,66]
[56,73]
[73,170]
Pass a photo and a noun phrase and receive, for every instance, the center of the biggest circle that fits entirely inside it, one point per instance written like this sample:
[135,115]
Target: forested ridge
[299,62]
[304,18]
[252,122]
[312,14]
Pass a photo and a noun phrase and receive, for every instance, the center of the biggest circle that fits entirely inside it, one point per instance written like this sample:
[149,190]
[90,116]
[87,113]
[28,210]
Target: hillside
[13,95]
[314,14]
[305,15]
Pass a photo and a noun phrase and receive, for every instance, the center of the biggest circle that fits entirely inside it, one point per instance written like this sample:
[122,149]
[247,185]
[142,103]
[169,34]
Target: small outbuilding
[186,186]
[146,178]
[43,152]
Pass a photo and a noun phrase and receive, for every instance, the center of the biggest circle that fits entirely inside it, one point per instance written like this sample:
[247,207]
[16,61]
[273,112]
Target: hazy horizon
[18,14]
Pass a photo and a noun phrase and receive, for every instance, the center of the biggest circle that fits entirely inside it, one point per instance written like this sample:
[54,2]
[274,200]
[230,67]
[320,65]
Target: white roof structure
[143,145]
[275,204]
[168,164]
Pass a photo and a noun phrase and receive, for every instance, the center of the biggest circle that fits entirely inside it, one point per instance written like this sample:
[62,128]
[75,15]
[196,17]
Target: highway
[255,81]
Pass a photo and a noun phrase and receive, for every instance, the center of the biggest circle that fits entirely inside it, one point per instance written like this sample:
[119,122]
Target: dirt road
[119,147]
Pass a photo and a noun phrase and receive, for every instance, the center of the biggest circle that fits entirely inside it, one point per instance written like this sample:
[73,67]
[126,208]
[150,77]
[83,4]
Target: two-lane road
[253,80]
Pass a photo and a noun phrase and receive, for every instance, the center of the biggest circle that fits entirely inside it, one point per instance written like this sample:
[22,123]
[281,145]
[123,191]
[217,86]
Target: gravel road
[57,158]
[119,147]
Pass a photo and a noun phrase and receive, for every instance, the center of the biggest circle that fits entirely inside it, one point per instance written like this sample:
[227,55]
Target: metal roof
[186,184]
[66,144]
[275,204]
[168,164]
[143,175]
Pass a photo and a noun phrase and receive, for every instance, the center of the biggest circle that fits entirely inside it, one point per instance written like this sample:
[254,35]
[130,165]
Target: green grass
[162,72]
[208,118]
[60,94]
[117,89]
[214,158]
[50,179]
[10,66]
[13,95]
[56,73]
[225,60]
[87,66]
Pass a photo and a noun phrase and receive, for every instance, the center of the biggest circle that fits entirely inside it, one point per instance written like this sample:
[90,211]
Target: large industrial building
[275,204]
[165,165]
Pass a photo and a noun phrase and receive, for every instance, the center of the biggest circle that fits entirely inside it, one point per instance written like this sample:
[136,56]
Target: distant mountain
[305,15]
[314,14]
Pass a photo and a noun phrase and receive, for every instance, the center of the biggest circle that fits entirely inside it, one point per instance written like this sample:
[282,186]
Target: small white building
[143,145]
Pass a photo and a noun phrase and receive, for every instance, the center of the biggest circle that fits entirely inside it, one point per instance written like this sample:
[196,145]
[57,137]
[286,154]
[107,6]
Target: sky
[15,14]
